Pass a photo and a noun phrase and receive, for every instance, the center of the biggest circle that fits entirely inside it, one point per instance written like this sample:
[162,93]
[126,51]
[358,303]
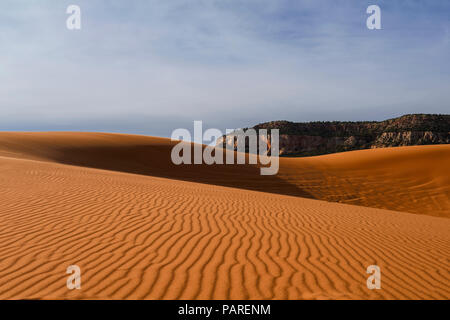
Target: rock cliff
[316,138]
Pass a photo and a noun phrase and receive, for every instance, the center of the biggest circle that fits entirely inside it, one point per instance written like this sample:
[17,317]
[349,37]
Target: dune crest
[412,179]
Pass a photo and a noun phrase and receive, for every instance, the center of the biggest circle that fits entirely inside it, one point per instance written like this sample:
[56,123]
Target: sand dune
[411,179]
[408,179]
[141,233]
[134,154]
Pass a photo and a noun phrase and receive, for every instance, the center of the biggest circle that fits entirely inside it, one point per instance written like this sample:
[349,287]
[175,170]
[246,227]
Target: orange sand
[409,179]
[138,231]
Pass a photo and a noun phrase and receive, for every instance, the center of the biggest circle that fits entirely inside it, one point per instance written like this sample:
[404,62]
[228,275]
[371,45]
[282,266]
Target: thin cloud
[229,63]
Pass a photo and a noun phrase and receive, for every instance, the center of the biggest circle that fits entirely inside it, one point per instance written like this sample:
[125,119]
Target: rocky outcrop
[409,138]
[315,138]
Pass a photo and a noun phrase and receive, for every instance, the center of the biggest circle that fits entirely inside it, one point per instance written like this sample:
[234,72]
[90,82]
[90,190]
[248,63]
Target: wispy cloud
[149,66]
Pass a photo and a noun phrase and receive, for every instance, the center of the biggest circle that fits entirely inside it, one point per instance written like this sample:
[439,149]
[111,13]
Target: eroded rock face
[315,138]
[411,138]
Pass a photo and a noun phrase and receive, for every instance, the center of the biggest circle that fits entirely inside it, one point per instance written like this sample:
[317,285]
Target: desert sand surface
[141,228]
[411,179]
[408,179]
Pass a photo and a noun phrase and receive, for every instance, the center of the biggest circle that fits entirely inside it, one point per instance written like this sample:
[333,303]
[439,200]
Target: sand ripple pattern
[139,237]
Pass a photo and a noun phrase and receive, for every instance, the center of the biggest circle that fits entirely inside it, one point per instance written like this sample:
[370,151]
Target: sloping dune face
[407,179]
[137,231]
[135,154]
[140,237]
[410,179]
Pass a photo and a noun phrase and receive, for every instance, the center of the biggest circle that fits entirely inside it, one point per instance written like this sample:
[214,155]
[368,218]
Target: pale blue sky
[153,66]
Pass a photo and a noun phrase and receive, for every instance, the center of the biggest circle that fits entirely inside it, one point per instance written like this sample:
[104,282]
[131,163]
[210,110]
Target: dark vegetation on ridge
[323,137]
